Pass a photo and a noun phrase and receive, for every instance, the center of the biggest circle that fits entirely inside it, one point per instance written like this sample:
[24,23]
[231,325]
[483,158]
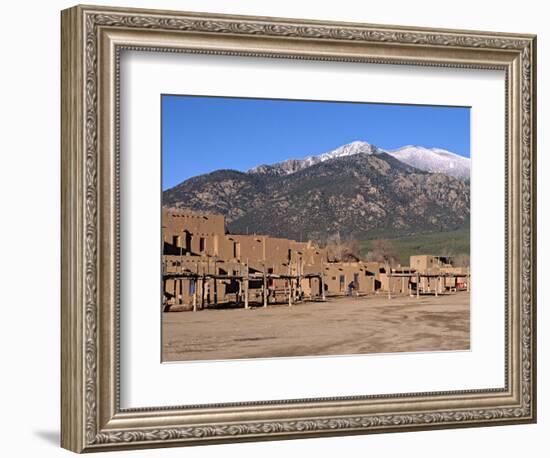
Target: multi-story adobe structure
[348,278]
[203,265]
[425,263]
[440,273]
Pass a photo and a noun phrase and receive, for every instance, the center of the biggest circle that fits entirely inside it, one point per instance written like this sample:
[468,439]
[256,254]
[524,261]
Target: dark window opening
[187,240]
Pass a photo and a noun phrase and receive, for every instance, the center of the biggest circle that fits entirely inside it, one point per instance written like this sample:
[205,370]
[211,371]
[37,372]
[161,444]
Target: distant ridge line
[433,160]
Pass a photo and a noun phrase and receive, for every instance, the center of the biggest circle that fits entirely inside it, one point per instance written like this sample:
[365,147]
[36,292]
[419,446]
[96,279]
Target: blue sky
[203,134]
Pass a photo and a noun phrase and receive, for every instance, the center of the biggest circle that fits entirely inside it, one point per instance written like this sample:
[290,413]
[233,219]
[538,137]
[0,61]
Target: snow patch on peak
[350,149]
[435,160]
[294,165]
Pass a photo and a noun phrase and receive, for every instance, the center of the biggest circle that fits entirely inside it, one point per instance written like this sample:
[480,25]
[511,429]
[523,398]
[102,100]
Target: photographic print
[308,228]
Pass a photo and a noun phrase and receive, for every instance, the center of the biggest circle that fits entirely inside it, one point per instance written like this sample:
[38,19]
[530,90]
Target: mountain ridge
[434,160]
[359,195]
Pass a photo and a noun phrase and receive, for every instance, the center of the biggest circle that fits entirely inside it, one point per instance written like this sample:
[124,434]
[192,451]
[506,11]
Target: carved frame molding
[92,39]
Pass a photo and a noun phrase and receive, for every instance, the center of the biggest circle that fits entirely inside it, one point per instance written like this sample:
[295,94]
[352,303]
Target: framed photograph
[278,228]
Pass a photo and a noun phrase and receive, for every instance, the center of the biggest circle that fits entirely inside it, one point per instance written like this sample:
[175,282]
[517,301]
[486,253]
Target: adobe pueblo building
[204,267]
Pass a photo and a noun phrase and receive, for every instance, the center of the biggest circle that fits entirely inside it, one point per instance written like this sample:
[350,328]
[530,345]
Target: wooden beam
[246,293]
[202,292]
[194,294]
[323,281]
[289,285]
[265,287]
[246,285]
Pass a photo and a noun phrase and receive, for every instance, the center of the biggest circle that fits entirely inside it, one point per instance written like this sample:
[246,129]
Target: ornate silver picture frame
[93,39]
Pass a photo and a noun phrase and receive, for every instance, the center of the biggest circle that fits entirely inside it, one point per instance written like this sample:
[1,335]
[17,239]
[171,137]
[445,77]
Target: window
[201,244]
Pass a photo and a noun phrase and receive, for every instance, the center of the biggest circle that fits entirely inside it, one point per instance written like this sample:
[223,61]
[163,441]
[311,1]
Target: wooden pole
[437,282]
[246,293]
[323,281]
[240,293]
[194,280]
[246,286]
[202,290]
[294,286]
[215,283]
[417,285]
[265,288]
[389,286]
[215,291]
[299,281]
[290,292]
[181,255]
[195,293]
[289,285]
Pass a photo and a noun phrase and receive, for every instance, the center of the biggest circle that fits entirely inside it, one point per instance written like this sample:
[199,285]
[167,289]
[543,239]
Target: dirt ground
[344,326]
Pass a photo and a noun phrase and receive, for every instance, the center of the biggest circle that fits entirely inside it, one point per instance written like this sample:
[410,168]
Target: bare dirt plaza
[340,326]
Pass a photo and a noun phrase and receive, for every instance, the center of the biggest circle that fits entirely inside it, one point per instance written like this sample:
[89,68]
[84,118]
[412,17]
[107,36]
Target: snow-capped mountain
[426,159]
[357,194]
[294,165]
[434,160]
[357,147]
